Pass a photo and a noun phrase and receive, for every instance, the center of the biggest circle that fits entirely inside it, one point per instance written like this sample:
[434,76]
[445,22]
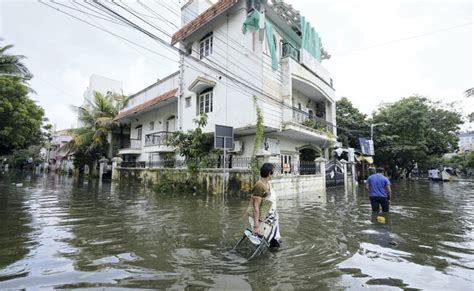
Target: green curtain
[271,44]
[310,39]
[251,22]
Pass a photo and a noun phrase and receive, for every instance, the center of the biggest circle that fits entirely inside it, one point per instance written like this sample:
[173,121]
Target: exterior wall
[466,141]
[210,180]
[237,181]
[168,83]
[159,117]
[235,54]
[288,186]
[103,85]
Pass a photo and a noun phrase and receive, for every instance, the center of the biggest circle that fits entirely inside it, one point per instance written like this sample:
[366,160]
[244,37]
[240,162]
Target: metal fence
[231,162]
[309,168]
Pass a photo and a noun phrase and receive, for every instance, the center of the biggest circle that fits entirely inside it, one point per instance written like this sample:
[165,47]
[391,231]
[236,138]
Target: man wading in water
[379,191]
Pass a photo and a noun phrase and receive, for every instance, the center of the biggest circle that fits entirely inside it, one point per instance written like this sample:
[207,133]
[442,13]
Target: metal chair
[255,249]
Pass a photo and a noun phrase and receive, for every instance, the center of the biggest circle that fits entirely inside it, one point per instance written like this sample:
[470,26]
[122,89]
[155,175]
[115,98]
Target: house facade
[237,56]
[466,141]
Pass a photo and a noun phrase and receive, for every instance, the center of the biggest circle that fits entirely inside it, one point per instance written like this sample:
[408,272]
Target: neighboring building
[102,85]
[277,59]
[466,141]
[58,156]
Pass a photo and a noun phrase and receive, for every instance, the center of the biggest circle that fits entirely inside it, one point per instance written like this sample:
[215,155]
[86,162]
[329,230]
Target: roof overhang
[202,19]
[157,102]
[201,84]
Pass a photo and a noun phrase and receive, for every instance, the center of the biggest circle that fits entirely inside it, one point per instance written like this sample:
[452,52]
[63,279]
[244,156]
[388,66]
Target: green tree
[21,118]
[192,145]
[28,157]
[12,65]
[351,123]
[97,117]
[417,131]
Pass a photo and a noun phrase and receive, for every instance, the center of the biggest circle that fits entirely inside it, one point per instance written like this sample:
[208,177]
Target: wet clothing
[262,191]
[377,183]
[268,220]
[377,201]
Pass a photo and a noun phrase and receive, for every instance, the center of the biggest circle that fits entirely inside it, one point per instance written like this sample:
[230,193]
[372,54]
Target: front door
[170,124]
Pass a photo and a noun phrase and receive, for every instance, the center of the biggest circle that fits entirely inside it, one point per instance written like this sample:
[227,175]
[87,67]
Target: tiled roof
[149,103]
[202,19]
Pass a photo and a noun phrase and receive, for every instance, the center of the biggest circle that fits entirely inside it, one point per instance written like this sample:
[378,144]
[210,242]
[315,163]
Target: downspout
[181,89]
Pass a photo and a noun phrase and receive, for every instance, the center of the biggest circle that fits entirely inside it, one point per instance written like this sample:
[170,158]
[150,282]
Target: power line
[232,79]
[405,39]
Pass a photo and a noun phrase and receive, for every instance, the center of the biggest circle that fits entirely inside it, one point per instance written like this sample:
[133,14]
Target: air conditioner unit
[254,5]
[238,147]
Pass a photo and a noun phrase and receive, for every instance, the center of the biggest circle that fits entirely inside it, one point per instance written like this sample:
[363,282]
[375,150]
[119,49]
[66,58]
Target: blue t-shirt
[377,184]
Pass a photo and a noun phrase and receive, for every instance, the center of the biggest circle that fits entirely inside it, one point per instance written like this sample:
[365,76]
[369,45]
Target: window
[285,164]
[139,132]
[299,106]
[205,102]
[188,102]
[205,46]
[152,125]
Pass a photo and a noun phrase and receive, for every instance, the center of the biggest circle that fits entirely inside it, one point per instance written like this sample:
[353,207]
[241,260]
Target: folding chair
[257,247]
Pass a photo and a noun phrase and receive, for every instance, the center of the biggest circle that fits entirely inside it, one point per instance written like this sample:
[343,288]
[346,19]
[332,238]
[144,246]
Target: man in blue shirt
[379,191]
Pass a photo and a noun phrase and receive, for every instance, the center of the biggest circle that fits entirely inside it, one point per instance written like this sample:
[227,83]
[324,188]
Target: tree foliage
[97,117]
[417,130]
[351,123]
[21,118]
[12,65]
[192,144]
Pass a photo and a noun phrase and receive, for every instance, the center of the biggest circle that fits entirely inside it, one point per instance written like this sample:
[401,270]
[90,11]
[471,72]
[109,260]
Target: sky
[381,51]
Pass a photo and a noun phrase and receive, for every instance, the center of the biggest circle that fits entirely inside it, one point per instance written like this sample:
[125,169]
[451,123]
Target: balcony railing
[157,138]
[288,50]
[132,144]
[312,121]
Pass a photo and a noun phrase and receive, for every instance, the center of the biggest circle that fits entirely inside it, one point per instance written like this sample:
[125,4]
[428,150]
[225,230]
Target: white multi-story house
[466,141]
[102,85]
[237,55]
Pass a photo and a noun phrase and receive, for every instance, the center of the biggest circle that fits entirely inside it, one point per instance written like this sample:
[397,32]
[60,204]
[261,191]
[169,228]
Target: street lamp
[372,125]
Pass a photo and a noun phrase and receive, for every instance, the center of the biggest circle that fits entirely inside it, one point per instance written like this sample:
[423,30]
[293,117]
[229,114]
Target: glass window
[205,102]
[152,125]
[188,102]
[139,133]
[205,46]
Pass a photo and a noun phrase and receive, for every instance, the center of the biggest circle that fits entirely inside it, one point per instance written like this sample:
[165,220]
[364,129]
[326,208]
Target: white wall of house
[234,54]
[161,86]
[159,118]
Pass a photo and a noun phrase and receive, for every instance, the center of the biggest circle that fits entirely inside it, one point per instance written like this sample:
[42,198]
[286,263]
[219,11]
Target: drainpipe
[181,89]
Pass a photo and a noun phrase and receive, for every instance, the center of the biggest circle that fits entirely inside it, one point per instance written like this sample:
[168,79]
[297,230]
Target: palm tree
[12,65]
[97,117]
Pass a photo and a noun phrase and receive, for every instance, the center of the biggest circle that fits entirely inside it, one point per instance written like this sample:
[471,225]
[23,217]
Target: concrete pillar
[322,165]
[346,181]
[115,163]
[353,170]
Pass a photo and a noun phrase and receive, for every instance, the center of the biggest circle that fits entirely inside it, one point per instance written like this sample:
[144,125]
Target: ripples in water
[63,233]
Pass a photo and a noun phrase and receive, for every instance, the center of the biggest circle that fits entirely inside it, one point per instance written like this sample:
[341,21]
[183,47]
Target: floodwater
[59,232]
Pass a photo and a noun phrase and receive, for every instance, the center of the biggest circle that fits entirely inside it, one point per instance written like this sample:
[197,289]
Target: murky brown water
[57,232]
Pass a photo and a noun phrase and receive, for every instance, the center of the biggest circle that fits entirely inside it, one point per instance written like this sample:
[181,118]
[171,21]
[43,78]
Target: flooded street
[59,232]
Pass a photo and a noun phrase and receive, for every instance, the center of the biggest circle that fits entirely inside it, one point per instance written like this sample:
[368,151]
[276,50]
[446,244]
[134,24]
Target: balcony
[132,146]
[157,138]
[288,50]
[312,122]
[158,142]
[301,71]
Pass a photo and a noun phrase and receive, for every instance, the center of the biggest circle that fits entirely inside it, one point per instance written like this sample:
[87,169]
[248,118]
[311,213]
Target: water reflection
[59,232]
